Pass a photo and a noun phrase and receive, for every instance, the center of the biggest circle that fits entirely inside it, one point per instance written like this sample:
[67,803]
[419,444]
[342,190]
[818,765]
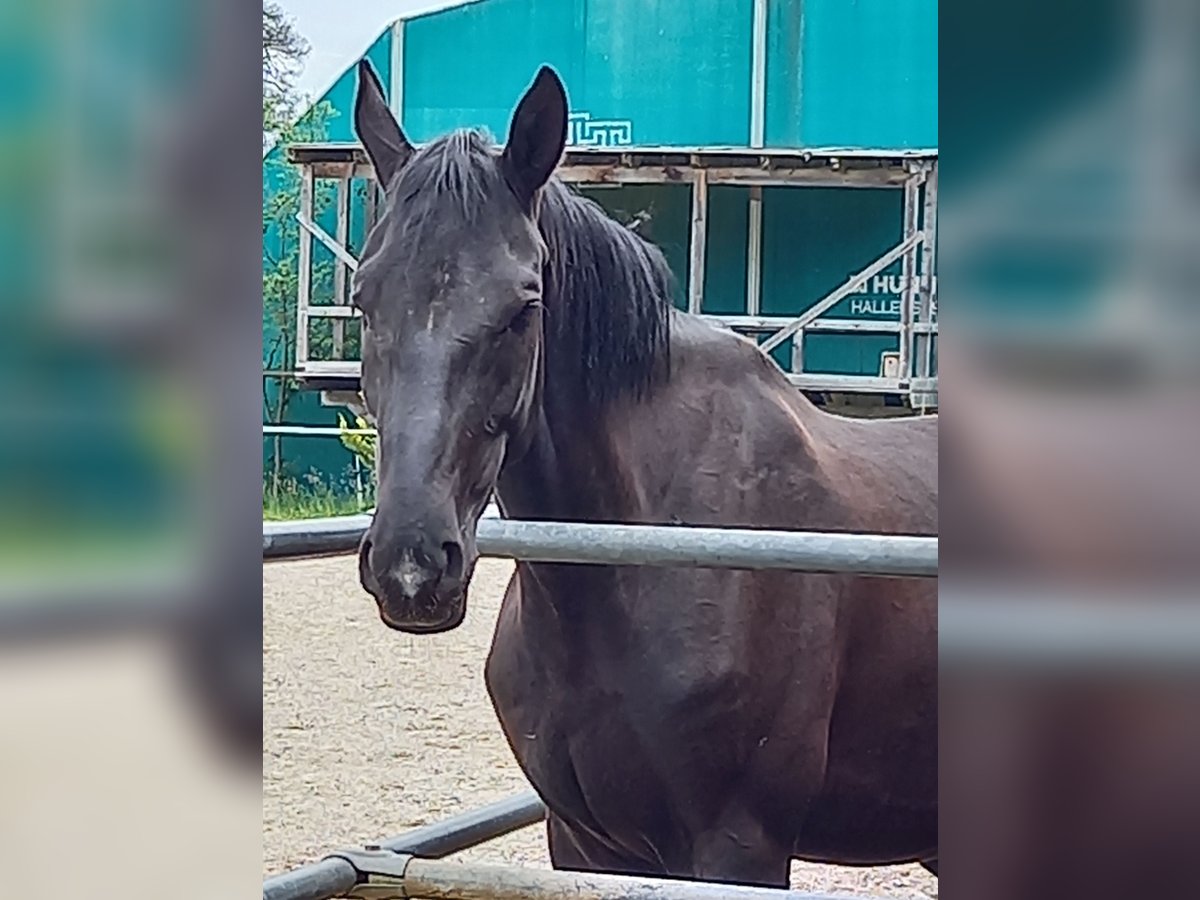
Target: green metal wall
[857,74]
[677,72]
[813,240]
[861,74]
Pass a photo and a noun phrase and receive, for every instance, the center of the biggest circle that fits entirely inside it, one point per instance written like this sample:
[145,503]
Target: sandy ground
[368,732]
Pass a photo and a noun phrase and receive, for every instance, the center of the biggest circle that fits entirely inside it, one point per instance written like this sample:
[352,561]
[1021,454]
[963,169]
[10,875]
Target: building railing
[908,371]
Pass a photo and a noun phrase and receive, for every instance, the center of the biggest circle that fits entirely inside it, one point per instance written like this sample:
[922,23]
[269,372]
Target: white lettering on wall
[584,131]
[883,296]
[875,306]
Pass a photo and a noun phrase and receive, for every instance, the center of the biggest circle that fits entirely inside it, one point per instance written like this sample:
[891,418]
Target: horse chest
[556,714]
[594,768]
[611,748]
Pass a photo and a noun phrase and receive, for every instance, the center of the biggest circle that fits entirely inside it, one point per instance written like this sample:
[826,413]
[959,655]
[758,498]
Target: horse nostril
[366,574]
[454,560]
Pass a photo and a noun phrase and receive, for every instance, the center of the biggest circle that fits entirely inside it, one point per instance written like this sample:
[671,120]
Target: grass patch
[310,500]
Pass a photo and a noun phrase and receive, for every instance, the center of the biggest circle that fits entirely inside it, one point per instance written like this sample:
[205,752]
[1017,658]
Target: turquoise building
[774,149]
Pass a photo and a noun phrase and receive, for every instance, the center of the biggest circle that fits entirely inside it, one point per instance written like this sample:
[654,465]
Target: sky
[339,31]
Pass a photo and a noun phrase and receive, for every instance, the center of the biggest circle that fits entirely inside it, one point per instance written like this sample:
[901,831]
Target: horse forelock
[453,175]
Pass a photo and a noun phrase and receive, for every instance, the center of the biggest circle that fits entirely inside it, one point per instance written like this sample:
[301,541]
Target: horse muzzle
[418,590]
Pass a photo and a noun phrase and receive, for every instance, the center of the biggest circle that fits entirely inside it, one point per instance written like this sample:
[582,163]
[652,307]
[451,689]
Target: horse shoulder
[887,469]
[729,436]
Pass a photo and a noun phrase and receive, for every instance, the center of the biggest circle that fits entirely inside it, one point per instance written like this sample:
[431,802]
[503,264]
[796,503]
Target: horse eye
[492,426]
[524,315]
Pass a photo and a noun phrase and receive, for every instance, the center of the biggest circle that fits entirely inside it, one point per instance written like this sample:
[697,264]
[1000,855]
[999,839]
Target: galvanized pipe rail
[644,545]
[334,876]
[388,876]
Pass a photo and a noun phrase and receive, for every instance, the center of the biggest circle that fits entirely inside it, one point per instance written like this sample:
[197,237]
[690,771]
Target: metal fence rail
[313,537]
[334,876]
[643,545]
[402,877]
[409,866]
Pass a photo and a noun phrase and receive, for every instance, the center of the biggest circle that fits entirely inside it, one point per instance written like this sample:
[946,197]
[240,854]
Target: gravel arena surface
[368,732]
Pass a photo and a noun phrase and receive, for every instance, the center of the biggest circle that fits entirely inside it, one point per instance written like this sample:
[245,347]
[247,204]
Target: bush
[361,445]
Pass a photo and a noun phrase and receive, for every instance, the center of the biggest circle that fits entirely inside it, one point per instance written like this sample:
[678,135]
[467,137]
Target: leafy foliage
[284,50]
[285,493]
[361,445]
[281,240]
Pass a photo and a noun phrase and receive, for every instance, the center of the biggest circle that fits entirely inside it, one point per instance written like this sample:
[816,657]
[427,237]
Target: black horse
[681,722]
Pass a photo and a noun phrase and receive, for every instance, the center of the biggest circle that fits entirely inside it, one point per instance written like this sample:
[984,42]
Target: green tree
[281,273]
[284,51]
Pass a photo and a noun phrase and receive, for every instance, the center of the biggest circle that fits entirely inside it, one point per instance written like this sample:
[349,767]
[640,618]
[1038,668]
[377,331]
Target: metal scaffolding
[907,372]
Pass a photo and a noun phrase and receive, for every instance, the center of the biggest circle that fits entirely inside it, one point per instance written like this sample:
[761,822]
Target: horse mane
[608,300]
[607,292]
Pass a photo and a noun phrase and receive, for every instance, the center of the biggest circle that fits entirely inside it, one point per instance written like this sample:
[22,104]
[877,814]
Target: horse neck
[607,281]
[567,473]
[571,468]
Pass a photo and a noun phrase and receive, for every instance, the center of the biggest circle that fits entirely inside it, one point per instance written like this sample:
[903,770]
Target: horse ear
[377,128]
[536,136]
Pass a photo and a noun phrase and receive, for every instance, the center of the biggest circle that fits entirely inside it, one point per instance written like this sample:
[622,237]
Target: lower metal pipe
[444,880]
[334,877]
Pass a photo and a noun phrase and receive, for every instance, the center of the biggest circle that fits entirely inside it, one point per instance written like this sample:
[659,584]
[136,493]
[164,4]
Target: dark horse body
[682,722]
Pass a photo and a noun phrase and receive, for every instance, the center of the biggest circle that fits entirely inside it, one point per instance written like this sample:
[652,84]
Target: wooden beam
[698,245]
[924,343]
[340,296]
[616,174]
[339,169]
[351,151]
[908,274]
[304,276]
[748,177]
[333,312]
[754,237]
[315,230]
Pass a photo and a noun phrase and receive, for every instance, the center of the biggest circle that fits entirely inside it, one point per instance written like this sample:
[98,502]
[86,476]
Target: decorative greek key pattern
[584,131]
